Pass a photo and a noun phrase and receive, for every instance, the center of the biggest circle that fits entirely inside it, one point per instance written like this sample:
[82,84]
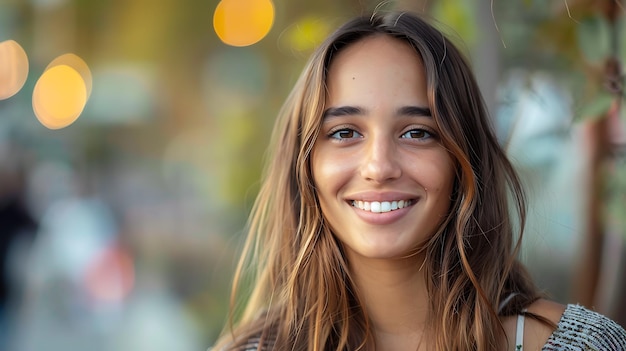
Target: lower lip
[382,218]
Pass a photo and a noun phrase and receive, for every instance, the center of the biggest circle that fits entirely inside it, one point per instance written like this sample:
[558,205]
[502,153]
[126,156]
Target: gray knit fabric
[581,330]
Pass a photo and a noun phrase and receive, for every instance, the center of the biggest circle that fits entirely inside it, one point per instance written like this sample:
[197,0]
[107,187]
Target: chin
[381,253]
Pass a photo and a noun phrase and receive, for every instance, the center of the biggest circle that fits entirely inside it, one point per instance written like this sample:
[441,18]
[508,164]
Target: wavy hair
[292,286]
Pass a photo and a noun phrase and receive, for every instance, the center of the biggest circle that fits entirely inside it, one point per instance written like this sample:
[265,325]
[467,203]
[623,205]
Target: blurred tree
[580,41]
[607,101]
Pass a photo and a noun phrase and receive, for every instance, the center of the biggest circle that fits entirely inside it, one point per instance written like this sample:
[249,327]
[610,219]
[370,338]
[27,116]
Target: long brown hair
[301,293]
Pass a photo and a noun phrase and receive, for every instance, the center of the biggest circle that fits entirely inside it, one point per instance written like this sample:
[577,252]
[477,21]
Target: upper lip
[371,196]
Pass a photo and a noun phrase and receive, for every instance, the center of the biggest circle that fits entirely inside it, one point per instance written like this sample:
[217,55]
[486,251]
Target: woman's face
[383,179]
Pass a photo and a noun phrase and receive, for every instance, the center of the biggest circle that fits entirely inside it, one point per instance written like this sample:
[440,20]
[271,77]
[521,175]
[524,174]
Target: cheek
[446,178]
[446,185]
[439,176]
[329,170]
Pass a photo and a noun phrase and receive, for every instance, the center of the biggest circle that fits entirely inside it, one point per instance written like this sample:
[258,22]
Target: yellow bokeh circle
[243,22]
[59,97]
[306,34]
[78,64]
[13,68]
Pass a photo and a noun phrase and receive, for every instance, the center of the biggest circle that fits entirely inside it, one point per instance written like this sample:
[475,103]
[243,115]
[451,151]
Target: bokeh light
[59,97]
[13,68]
[111,276]
[306,34]
[78,64]
[243,22]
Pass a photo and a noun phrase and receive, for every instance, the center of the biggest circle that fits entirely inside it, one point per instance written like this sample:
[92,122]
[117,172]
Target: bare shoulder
[547,309]
[536,333]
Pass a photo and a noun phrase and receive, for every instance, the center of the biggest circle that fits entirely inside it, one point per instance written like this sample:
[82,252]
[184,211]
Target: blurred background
[133,132]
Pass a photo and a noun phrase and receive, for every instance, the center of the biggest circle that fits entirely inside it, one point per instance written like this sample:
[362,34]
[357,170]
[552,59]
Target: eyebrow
[342,111]
[414,111]
[418,111]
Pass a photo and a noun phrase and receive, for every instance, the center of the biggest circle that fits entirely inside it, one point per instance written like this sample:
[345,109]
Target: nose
[380,161]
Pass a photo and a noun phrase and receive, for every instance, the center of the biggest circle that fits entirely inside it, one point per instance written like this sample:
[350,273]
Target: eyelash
[333,133]
[428,133]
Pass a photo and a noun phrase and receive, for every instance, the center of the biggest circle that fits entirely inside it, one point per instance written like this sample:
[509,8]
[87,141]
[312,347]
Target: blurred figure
[57,312]
[17,230]
[85,287]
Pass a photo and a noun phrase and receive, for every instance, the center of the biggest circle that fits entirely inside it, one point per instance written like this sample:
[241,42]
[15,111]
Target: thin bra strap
[519,336]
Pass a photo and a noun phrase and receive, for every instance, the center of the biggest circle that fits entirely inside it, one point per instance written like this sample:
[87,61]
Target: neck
[394,295]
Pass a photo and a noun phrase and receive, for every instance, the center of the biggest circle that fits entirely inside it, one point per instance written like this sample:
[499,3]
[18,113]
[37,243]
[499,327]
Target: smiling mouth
[382,206]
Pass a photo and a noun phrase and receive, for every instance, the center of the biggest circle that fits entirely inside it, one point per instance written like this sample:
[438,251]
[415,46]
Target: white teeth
[381,206]
[385,206]
[375,207]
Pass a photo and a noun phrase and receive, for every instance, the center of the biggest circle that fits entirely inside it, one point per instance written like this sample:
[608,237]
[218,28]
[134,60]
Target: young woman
[384,221]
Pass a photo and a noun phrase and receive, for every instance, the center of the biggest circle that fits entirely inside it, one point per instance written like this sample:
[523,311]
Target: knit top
[579,329]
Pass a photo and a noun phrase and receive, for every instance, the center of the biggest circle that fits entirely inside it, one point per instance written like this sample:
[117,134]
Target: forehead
[374,48]
[378,66]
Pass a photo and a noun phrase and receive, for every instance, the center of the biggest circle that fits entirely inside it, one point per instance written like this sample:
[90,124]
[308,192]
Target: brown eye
[417,134]
[345,134]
